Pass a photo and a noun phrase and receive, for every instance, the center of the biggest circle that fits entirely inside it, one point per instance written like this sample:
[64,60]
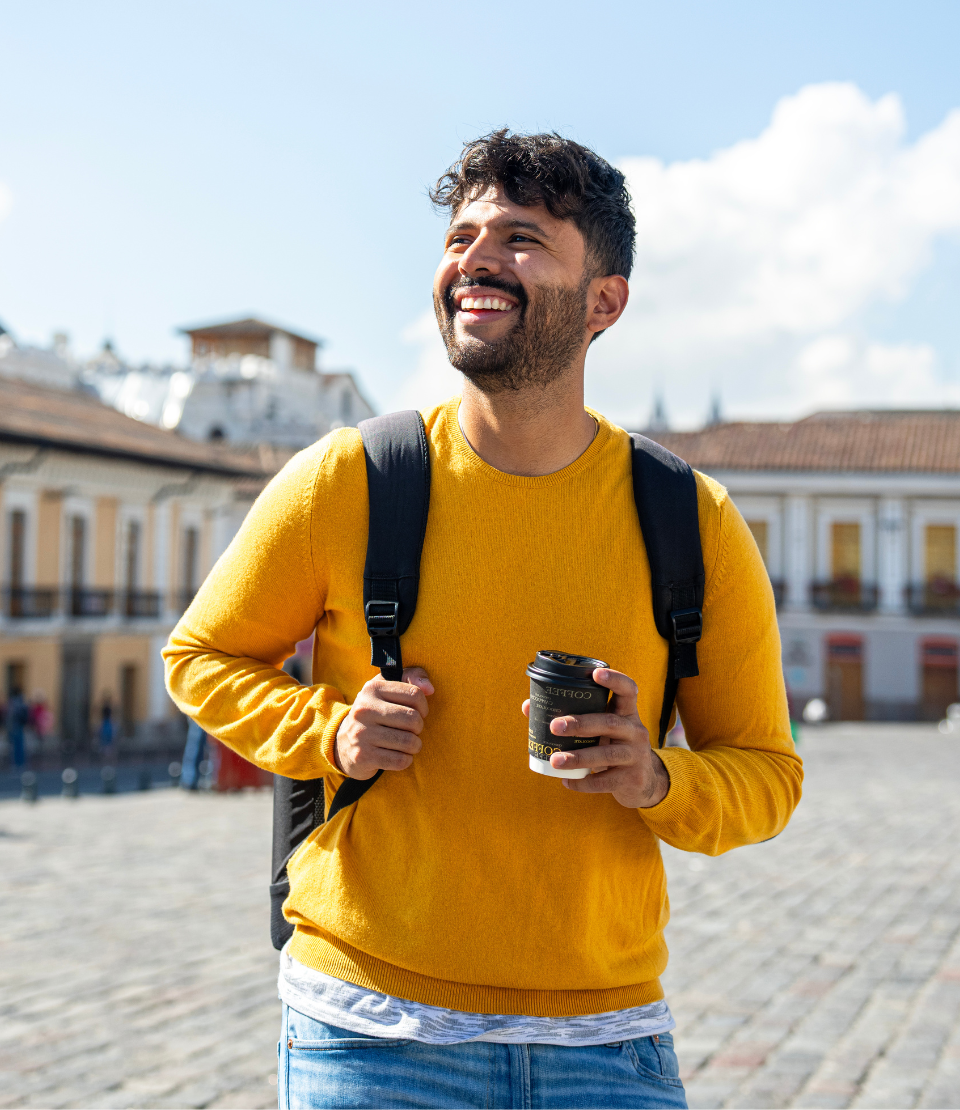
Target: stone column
[798,550]
[891,554]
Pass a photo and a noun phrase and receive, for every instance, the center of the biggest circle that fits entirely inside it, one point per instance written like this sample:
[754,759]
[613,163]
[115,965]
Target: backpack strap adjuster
[687,625]
[383,619]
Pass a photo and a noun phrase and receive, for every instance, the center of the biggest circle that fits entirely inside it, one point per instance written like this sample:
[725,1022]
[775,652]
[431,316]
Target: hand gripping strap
[665,490]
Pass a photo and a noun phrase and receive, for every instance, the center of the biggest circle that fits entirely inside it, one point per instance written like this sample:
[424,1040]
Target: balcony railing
[140,603]
[938,598]
[844,595]
[30,602]
[89,603]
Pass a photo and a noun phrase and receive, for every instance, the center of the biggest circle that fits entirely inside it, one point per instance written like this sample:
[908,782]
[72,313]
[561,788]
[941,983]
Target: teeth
[469,303]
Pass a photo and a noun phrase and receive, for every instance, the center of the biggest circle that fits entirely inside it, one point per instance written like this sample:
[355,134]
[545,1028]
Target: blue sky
[170,163]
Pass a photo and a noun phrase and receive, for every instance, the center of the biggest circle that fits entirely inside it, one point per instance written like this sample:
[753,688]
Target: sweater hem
[337,958]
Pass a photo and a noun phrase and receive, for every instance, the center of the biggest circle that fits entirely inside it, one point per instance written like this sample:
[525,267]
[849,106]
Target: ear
[606,300]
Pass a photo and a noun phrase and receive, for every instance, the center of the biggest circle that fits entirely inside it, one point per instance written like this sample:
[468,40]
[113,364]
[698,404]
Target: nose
[480,257]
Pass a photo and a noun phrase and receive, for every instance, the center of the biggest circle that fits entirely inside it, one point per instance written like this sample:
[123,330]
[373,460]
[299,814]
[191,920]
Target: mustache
[487,282]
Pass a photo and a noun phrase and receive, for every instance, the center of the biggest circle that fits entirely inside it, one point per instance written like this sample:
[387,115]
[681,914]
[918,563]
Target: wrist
[660,784]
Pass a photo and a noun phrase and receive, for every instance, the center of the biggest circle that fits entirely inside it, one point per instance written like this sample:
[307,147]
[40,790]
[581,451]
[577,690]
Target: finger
[395,739]
[623,688]
[380,759]
[596,724]
[525,708]
[376,713]
[418,677]
[604,782]
[612,755]
[402,693]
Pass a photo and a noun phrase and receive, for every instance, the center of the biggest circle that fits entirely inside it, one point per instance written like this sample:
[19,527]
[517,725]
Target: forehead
[493,208]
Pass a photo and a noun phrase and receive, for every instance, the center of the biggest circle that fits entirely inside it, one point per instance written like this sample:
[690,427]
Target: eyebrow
[513,225]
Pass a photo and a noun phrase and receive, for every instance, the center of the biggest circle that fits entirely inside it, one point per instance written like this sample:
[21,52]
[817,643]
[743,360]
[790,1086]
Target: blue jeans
[323,1066]
[192,756]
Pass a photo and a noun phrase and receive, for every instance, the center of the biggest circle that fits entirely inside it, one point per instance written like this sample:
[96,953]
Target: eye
[518,238]
[458,241]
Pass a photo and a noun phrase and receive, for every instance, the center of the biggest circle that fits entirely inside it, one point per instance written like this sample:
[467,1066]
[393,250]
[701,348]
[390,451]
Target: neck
[530,431]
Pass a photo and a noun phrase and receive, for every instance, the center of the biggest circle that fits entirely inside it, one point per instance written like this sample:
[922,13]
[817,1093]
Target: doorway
[938,660]
[128,699]
[845,677]
[76,679]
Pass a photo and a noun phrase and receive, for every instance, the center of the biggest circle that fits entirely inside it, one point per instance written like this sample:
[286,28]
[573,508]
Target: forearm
[725,797]
[256,709]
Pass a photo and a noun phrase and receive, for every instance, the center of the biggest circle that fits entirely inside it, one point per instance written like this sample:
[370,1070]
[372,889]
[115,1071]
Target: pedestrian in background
[17,716]
[194,754]
[107,731]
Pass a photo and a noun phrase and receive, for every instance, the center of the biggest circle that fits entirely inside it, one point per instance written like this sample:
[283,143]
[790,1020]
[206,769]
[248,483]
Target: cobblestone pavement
[819,970]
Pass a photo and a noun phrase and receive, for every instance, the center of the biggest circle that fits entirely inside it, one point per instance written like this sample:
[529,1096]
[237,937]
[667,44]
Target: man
[470,933]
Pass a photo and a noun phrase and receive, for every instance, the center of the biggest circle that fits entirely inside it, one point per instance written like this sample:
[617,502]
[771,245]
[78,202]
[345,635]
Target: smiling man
[469,933]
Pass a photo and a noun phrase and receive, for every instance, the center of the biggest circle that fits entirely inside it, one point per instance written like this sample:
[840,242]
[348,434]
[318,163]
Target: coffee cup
[561,684]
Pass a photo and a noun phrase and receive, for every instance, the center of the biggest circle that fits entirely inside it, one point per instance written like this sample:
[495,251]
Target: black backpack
[398,480]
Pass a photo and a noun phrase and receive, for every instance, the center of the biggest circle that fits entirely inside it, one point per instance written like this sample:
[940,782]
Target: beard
[542,344]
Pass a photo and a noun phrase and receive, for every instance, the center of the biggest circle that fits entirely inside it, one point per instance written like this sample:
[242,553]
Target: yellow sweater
[468,881]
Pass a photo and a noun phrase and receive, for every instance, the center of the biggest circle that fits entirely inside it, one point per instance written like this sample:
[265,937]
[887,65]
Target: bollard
[109,777]
[28,786]
[143,779]
[174,772]
[71,788]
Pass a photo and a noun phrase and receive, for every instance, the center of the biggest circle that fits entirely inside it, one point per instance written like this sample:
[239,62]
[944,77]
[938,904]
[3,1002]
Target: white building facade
[857,517]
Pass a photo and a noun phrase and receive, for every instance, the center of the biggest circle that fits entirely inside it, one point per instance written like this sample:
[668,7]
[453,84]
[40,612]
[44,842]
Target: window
[18,543]
[940,553]
[78,544]
[845,551]
[191,546]
[132,567]
[759,530]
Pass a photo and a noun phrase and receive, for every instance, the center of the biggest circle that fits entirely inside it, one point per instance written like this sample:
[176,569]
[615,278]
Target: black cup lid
[561,664]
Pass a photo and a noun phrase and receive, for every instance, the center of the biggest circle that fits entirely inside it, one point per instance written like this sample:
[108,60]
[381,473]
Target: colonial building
[108,528]
[248,382]
[856,516]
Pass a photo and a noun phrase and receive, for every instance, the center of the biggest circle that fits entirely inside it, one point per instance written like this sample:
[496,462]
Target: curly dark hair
[570,181]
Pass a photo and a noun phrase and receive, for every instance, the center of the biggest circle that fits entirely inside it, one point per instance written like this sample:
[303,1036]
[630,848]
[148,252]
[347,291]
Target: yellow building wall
[110,654]
[105,544]
[48,538]
[42,658]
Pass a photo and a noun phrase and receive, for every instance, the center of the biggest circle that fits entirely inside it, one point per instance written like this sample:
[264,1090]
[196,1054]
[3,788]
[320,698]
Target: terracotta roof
[71,420]
[927,442]
[250,326]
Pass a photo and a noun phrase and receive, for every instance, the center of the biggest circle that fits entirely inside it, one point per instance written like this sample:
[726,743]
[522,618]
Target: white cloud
[836,371]
[755,265]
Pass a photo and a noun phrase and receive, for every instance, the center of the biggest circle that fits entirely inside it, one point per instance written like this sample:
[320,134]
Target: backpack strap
[398,484]
[398,480]
[665,490]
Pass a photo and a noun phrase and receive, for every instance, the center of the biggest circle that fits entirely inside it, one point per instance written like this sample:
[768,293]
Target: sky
[795,170]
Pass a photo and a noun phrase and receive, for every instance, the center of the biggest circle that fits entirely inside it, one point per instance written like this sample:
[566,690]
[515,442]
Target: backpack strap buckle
[383,619]
[687,625]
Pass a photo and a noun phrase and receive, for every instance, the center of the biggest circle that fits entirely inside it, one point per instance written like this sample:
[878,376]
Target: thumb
[418,677]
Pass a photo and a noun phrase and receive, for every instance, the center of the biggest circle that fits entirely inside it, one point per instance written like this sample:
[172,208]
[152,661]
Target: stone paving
[821,969]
